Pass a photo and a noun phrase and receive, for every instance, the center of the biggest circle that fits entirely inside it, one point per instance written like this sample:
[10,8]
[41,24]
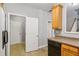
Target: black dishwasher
[54,48]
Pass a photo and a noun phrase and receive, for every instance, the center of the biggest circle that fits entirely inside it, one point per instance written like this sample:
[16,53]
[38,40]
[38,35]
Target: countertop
[66,40]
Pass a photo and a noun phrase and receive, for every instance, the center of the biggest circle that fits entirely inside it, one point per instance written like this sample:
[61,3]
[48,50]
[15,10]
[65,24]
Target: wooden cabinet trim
[57,6]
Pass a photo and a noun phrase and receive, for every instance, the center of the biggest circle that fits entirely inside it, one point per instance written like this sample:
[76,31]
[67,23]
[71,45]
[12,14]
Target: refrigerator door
[2,28]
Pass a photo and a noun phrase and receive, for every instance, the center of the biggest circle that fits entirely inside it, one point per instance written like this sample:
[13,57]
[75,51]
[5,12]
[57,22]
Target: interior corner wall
[43,17]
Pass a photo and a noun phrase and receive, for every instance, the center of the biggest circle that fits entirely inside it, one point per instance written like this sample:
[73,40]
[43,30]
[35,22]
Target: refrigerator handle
[4,38]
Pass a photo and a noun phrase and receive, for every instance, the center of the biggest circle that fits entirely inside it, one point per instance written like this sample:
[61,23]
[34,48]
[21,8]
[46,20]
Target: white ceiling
[43,6]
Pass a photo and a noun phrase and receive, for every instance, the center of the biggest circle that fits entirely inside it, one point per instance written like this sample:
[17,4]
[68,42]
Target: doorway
[17,34]
[22,34]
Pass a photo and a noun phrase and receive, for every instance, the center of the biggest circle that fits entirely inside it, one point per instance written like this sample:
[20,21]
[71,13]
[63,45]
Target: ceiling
[42,6]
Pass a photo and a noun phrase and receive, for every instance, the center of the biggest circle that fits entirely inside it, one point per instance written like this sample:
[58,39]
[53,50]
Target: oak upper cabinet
[67,50]
[57,16]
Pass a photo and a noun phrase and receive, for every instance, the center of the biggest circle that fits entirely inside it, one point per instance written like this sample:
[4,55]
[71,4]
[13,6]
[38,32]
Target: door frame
[8,29]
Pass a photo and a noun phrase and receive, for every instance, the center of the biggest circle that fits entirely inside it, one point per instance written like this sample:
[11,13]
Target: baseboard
[43,46]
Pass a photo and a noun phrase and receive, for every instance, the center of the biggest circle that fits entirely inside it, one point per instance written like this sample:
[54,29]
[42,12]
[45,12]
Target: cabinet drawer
[70,48]
[68,53]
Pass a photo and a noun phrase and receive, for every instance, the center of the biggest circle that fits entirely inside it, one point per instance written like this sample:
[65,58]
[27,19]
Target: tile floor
[18,50]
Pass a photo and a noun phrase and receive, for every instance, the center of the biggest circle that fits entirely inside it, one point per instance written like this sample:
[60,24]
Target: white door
[2,28]
[31,34]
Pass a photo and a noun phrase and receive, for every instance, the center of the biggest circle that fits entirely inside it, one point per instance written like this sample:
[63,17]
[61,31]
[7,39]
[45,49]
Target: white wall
[42,27]
[49,29]
[17,29]
[49,25]
[63,33]
[31,12]
[15,38]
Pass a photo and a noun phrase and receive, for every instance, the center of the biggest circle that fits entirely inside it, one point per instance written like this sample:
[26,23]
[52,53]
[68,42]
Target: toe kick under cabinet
[68,50]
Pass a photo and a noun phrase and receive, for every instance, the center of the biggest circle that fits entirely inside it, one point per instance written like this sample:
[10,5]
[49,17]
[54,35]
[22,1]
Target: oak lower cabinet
[67,50]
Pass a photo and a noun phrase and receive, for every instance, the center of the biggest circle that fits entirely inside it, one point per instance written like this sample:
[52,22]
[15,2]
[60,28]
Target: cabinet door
[57,17]
[54,22]
[67,50]
[60,17]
